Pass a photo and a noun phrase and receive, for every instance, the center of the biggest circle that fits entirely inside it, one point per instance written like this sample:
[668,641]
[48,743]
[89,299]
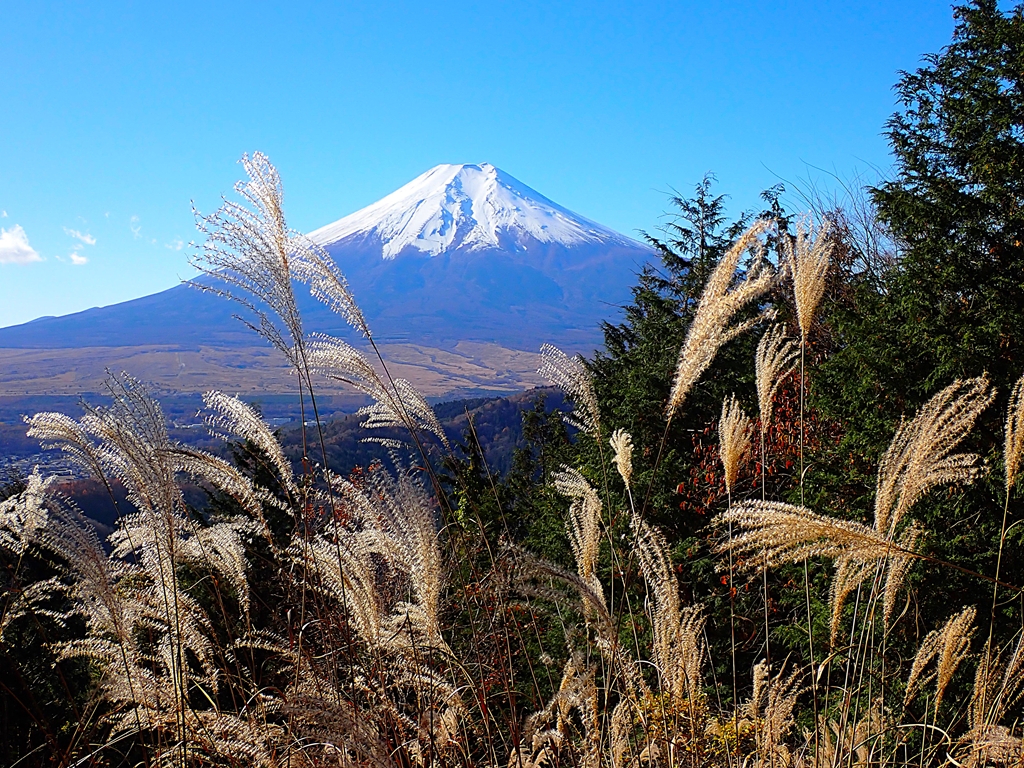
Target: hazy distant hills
[464,272]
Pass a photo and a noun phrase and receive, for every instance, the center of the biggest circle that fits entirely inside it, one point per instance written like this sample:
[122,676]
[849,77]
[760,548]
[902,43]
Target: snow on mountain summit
[468,207]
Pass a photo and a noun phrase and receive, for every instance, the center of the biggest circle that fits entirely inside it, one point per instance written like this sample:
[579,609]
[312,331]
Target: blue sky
[117,115]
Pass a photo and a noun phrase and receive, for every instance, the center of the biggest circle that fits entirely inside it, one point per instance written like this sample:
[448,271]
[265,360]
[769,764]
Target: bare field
[468,367]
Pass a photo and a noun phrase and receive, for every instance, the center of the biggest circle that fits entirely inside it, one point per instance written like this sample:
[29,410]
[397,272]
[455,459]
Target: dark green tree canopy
[956,202]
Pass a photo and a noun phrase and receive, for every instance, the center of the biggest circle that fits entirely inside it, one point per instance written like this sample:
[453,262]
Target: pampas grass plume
[711,327]
[809,256]
[734,431]
[622,445]
[1014,446]
[776,357]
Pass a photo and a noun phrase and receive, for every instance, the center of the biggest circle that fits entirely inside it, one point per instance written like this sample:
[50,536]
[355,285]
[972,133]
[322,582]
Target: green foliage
[951,306]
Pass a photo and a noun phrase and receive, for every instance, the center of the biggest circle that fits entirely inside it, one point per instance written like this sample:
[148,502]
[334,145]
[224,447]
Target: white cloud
[75,256]
[175,245]
[85,238]
[135,226]
[3,214]
[14,247]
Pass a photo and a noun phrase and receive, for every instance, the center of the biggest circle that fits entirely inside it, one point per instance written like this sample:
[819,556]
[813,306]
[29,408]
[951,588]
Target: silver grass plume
[396,403]
[98,587]
[838,742]
[23,516]
[921,456]
[1014,445]
[128,441]
[776,357]
[956,643]
[808,256]
[315,267]
[734,433]
[992,745]
[772,533]
[232,418]
[712,325]
[537,576]
[677,647]
[998,686]
[570,374]
[622,446]
[24,519]
[405,532]
[249,248]
[204,466]
[347,573]
[949,645]
[583,523]
[547,731]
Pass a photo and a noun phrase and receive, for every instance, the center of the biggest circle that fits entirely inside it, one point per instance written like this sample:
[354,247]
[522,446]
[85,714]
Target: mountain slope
[467,207]
[461,253]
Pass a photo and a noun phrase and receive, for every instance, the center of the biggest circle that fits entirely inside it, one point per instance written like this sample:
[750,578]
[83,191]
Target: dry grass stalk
[622,447]
[1014,444]
[720,302]
[949,645]
[921,456]
[583,523]
[734,439]
[678,649]
[570,374]
[776,357]
[396,402]
[771,709]
[249,248]
[809,256]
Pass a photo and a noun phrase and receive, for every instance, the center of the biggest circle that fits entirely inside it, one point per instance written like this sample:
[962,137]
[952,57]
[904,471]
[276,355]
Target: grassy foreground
[309,619]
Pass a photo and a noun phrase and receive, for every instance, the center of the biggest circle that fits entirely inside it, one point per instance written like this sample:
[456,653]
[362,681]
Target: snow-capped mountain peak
[467,207]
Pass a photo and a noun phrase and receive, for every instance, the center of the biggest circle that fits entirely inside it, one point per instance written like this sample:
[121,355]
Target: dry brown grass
[367,672]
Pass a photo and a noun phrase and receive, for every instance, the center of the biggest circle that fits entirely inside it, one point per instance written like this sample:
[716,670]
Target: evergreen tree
[952,305]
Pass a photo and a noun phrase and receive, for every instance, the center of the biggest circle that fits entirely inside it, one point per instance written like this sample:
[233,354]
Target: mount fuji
[463,254]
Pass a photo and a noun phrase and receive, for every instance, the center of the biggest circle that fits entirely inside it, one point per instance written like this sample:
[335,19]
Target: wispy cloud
[14,247]
[3,214]
[175,245]
[84,237]
[75,256]
[135,226]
